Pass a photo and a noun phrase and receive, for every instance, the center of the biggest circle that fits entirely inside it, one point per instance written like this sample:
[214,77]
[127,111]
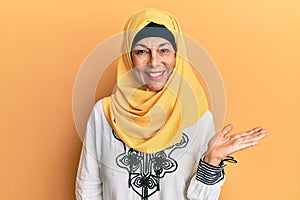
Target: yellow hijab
[150,121]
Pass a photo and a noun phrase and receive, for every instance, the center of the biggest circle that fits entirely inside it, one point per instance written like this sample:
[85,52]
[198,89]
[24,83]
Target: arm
[207,182]
[88,181]
[209,173]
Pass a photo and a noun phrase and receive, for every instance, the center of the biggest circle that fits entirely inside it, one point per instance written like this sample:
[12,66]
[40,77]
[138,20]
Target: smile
[155,75]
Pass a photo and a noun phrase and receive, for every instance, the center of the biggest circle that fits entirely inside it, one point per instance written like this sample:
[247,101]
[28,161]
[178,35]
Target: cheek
[139,75]
[170,71]
[137,61]
[172,62]
[134,60]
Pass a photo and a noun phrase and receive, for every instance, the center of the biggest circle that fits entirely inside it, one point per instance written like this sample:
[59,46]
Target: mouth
[155,75]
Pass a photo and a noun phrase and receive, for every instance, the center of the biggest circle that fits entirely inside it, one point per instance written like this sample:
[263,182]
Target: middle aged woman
[154,137]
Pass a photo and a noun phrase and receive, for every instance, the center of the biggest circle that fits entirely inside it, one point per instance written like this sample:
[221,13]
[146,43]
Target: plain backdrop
[255,45]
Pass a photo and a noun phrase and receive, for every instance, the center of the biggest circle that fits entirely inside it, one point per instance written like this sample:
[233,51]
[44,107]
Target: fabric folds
[146,120]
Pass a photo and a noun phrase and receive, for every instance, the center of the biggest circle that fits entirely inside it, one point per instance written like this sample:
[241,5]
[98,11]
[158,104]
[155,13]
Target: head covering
[154,30]
[146,120]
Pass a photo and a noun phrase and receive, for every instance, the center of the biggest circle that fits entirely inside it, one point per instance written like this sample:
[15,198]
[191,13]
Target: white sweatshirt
[110,170]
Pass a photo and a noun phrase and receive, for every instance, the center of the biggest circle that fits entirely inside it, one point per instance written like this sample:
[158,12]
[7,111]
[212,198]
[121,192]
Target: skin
[153,62]
[153,59]
[222,144]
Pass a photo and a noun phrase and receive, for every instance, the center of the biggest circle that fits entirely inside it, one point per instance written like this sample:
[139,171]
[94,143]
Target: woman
[154,137]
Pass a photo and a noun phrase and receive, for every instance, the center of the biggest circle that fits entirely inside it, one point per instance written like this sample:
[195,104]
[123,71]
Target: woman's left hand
[222,145]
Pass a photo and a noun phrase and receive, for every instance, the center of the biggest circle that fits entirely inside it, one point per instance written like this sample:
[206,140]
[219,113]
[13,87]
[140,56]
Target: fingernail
[258,129]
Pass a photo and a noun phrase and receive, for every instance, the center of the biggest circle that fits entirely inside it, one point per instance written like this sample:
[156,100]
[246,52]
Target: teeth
[155,74]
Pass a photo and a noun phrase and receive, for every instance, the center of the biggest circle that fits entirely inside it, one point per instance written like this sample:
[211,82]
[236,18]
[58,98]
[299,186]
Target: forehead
[152,42]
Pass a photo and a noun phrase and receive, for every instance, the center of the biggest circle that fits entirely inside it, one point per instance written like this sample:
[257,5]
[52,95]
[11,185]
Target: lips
[154,75]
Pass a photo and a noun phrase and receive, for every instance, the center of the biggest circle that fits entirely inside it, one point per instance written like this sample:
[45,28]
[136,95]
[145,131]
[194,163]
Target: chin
[155,87]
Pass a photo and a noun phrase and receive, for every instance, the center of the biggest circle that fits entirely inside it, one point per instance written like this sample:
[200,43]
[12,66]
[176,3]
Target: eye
[141,51]
[164,51]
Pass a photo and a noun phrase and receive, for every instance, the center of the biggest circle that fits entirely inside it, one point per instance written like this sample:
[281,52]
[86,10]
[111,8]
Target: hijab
[150,121]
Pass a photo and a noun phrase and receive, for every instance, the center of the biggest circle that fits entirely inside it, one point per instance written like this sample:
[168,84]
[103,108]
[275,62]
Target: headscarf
[146,120]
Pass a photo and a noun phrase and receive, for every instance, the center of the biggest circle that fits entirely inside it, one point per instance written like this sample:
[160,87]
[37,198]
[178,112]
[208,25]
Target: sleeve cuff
[209,174]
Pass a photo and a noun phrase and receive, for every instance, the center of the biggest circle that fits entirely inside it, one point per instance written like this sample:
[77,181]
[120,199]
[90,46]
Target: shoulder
[203,123]
[205,120]
[98,116]
[98,106]
[97,110]
[203,127]
[207,116]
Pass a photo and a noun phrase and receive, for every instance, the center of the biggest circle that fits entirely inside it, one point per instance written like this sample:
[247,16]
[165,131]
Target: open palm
[222,145]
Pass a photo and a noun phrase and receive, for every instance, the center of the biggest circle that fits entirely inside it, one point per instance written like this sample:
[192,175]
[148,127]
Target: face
[153,60]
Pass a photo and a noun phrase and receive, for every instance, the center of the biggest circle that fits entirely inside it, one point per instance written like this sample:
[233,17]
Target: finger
[255,136]
[242,144]
[264,131]
[259,136]
[249,132]
[246,145]
[253,131]
[226,129]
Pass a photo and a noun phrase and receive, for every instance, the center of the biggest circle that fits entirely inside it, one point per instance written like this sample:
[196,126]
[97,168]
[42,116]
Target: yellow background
[255,45]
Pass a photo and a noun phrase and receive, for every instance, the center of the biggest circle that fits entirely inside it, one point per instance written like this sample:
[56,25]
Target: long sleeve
[88,181]
[188,178]
[207,181]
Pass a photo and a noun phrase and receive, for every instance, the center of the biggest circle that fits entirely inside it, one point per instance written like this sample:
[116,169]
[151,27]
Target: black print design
[146,170]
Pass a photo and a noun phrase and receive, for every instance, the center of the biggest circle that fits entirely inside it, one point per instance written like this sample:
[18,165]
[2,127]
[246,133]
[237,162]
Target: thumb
[226,129]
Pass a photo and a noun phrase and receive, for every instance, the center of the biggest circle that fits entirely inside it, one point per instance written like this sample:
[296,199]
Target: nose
[154,59]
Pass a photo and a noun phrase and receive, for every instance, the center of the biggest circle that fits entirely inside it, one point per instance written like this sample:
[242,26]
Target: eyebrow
[160,45]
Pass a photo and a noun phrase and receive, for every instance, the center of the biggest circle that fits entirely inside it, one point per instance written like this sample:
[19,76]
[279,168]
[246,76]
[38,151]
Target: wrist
[209,174]
[214,161]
